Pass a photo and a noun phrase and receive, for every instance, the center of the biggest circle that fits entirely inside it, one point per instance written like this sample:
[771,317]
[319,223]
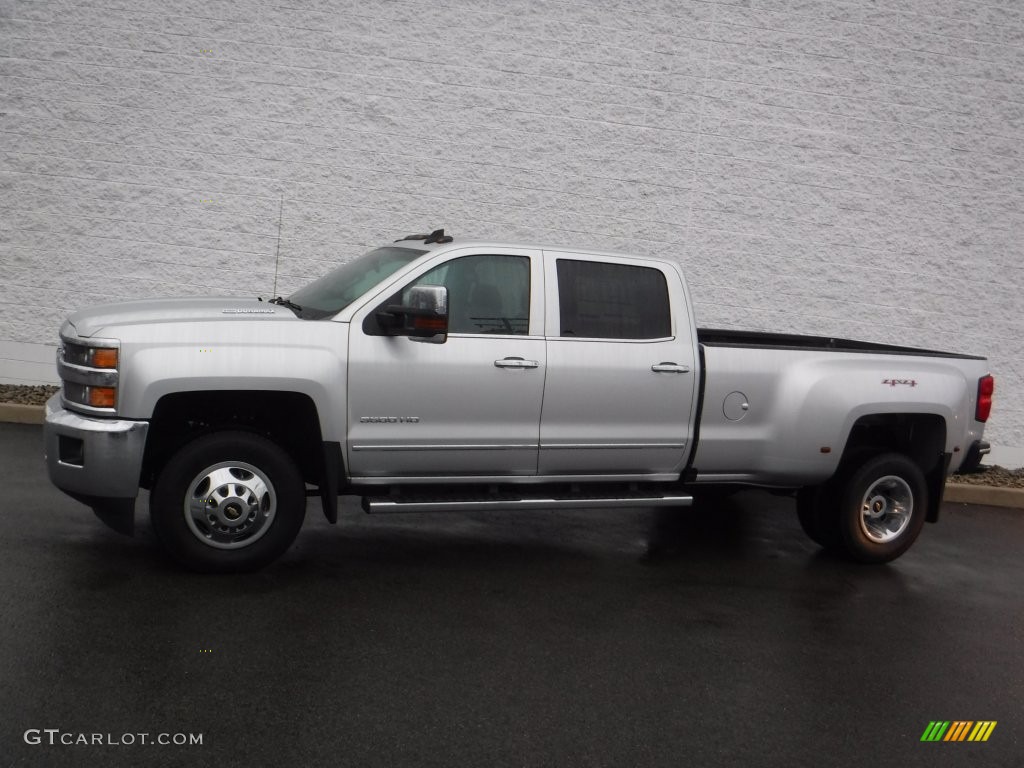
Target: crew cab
[432,374]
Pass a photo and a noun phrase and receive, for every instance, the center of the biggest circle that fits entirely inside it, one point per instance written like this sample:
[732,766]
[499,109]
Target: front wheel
[230,501]
[881,508]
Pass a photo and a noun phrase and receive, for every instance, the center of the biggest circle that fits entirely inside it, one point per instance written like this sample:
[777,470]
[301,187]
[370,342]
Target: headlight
[90,357]
[89,374]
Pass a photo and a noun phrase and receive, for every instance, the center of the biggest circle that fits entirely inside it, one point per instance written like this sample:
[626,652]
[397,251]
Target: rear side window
[612,301]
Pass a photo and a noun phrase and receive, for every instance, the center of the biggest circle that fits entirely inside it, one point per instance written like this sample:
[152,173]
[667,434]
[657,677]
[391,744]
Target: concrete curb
[986,495]
[959,493]
[21,414]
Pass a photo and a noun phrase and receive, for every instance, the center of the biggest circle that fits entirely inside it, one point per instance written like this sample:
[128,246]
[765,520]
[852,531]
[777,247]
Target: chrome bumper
[96,461]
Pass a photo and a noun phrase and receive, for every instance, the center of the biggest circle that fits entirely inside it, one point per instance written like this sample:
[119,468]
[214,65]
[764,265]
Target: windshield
[337,289]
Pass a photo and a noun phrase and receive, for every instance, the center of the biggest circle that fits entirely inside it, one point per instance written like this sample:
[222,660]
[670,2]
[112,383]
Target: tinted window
[612,301]
[486,294]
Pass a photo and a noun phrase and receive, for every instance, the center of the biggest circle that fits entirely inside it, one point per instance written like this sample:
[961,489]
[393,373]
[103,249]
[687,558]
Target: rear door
[621,371]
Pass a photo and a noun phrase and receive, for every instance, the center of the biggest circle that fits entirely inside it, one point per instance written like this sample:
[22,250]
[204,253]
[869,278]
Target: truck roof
[450,243]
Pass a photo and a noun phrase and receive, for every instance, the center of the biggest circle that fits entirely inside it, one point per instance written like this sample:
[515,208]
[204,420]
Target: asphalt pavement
[717,635]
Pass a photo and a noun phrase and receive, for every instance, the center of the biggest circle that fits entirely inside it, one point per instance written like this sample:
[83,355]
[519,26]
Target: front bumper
[96,461]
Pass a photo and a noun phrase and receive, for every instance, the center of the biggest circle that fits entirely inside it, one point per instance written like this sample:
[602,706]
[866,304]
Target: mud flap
[936,480]
[329,484]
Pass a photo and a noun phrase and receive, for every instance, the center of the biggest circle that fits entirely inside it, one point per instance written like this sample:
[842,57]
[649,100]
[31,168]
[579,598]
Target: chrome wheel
[230,505]
[886,508]
[227,502]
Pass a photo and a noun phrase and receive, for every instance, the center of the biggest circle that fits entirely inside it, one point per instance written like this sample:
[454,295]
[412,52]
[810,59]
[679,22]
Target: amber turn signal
[104,358]
[102,397]
[430,323]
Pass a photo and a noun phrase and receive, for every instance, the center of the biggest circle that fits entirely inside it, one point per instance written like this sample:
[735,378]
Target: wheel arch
[289,418]
[921,437]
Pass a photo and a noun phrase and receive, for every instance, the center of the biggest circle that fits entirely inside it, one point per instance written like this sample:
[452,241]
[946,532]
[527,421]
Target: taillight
[986,386]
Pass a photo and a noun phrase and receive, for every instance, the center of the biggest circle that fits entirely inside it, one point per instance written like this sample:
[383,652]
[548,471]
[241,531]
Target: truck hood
[107,317]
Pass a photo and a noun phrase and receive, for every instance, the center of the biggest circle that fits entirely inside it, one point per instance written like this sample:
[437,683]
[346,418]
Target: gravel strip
[23,395]
[996,476]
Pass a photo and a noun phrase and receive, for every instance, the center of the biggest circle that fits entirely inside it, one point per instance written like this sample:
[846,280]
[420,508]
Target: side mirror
[423,318]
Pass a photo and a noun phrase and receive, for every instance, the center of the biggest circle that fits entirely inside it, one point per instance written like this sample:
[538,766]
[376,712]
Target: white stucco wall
[844,169]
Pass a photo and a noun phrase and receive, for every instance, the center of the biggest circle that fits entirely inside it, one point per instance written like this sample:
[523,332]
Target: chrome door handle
[670,368]
[515,362]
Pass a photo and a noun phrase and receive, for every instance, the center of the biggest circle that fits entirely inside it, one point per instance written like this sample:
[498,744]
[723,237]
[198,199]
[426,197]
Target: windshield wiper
[285,303]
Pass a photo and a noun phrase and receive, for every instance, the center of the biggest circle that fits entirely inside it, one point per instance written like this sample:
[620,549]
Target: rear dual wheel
[871,513]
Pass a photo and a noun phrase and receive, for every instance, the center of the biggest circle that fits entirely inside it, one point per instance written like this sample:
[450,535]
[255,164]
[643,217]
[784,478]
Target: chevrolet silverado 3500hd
[431,374]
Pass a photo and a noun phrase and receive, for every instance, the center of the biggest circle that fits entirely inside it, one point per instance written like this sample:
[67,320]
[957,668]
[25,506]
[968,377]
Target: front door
[467,407]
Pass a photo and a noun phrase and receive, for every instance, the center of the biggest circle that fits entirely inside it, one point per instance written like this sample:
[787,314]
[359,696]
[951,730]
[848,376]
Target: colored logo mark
[958,730]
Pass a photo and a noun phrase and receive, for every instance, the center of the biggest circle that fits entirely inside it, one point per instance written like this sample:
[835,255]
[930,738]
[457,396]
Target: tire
[882,507]
[228,502]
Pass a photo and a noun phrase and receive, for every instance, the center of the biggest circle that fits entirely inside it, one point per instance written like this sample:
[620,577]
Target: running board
[383,504]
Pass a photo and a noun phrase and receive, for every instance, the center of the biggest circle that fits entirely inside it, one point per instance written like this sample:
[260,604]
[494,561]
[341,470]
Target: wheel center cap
[877,507]
[232,512]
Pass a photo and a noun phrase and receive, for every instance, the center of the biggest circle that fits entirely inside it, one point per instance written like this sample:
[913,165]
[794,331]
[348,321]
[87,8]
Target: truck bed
[769,402]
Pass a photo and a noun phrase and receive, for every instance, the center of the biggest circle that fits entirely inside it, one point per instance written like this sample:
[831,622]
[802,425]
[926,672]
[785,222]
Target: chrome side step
[383,504]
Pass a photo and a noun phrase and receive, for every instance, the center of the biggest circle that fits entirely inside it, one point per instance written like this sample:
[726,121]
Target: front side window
[486,294]
[598,300]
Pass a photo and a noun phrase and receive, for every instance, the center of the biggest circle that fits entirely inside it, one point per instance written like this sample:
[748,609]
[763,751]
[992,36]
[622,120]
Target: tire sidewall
[168,497]
[855,541]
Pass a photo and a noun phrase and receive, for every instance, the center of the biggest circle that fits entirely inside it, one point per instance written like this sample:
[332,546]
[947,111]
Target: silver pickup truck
[432,374]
